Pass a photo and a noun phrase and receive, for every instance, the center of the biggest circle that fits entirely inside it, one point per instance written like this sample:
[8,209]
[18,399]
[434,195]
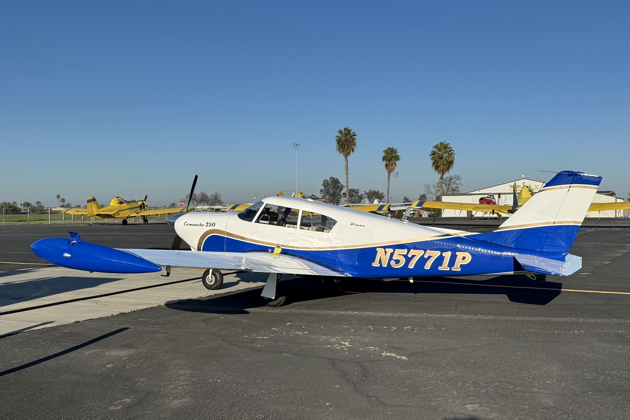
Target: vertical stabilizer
[92,206]
[550,220]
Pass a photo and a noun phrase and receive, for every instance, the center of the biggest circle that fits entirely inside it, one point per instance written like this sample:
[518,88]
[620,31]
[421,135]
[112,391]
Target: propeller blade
[177,241]
[192,192]
[145,198]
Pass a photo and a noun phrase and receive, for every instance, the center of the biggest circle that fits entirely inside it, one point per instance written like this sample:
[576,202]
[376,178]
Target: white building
[503,195]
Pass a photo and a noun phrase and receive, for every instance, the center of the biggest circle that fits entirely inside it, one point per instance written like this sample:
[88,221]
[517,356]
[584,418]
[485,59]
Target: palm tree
[58,197]
[442,160]
[390,158]
[346,143]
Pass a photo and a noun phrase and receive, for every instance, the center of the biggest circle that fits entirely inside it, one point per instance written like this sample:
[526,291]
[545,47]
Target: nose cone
[171,220]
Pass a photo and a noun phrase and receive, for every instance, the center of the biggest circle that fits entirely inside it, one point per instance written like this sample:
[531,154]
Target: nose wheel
[212,279]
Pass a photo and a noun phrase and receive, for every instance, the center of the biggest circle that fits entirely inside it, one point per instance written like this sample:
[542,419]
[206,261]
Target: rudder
[551,219]
[92,206]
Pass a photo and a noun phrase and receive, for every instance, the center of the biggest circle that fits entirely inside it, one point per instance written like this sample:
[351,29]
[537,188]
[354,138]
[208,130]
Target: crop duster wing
[371,208]
[622,205]
[151,212]
[76,211]
[488,208]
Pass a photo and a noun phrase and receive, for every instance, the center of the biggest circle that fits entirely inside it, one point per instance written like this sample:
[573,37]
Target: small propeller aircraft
[121,208]
[488,204]
[287,235]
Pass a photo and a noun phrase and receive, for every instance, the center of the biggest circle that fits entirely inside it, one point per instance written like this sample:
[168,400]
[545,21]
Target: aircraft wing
[622,205]
[169,210]
[259,262]
[371,208]
[76,211]
[488,208]
[238,207]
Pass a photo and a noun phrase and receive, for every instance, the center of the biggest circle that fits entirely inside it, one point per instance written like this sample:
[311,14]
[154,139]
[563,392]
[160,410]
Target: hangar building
[503,195]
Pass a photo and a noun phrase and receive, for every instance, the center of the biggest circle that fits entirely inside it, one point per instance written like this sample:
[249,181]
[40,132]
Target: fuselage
[353,242]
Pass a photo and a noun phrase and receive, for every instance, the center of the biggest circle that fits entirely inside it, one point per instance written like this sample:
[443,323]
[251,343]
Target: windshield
[250,212]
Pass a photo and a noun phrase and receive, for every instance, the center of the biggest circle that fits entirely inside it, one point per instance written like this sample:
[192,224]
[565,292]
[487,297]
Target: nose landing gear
[212,279]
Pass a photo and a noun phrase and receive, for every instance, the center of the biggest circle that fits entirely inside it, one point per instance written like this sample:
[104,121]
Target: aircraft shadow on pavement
[23,291]
[518,289]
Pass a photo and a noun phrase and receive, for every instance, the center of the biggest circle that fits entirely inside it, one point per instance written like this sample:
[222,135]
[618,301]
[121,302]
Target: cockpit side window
[250,212]
[317,222]
[278,216]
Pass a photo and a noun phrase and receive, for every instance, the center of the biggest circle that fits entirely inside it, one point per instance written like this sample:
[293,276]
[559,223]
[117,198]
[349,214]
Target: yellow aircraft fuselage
[118,208]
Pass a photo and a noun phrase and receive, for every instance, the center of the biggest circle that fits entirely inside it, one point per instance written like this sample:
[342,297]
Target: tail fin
[550,220]
[92,206]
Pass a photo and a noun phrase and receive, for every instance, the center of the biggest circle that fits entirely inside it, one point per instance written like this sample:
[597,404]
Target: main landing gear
[212,279]
[273,292]
[124,221]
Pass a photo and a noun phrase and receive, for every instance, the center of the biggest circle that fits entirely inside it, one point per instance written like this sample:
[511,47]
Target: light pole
[297,146]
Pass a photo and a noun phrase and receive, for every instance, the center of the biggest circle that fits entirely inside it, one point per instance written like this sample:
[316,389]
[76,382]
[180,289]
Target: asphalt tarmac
[441,348]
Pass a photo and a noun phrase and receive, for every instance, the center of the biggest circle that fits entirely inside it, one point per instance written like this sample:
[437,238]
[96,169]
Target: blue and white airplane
[285,235]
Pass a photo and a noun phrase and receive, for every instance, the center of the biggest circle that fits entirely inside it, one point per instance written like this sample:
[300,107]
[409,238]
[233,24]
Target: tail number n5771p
[398,258]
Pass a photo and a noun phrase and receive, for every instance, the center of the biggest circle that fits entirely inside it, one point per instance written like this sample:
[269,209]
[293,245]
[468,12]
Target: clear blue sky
[136,97]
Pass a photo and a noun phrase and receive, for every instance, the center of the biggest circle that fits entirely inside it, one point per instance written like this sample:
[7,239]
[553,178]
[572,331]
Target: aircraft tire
[212,279]
[124,222]
[279,301]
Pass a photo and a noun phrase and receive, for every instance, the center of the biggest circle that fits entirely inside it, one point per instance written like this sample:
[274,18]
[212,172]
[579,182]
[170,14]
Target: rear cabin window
[317,222]
[279,216]
[250,212]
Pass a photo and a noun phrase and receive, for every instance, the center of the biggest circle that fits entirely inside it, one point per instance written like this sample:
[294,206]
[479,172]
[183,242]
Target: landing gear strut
[273,292]
[212,279]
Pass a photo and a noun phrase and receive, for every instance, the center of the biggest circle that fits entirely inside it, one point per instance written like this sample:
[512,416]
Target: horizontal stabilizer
[537,264]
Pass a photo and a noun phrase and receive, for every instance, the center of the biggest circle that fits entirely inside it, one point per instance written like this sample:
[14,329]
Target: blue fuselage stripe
[452,256]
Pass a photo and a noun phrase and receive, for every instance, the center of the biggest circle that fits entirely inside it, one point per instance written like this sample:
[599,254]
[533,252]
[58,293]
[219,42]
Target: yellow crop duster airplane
[120,208]
[520,199]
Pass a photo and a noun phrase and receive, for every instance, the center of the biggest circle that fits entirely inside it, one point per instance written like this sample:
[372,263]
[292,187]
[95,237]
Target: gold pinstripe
[211,232]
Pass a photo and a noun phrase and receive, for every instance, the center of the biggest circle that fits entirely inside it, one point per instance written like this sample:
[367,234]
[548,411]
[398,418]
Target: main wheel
[279,300]
[212,279]
[124,222]
[145,220]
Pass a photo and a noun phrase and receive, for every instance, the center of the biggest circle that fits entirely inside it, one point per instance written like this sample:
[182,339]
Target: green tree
[372,195]
[390,159]
[406,199]
[331,190]
[346,143]
[354,196]
[442,160]
[58,197]
[37,208]
[10,208]
[62,201]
